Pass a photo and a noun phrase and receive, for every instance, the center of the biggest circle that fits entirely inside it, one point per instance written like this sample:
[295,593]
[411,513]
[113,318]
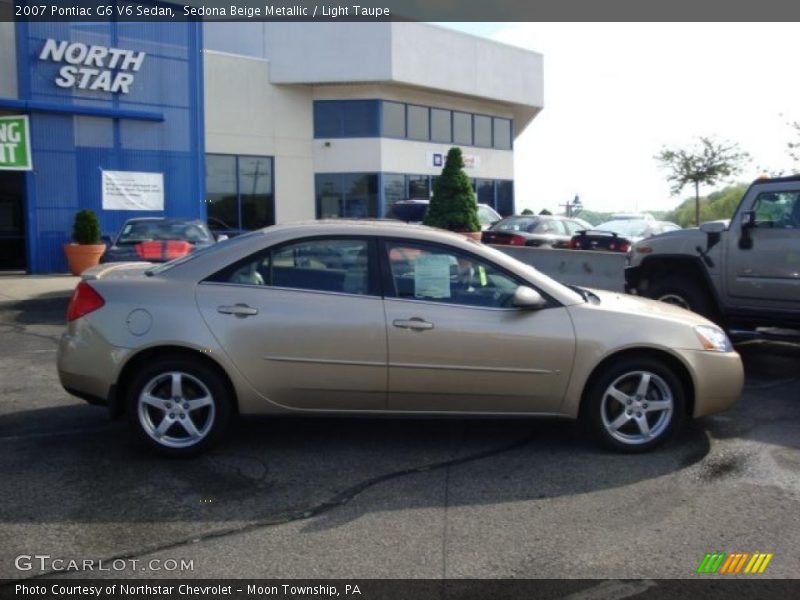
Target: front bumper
[718,380]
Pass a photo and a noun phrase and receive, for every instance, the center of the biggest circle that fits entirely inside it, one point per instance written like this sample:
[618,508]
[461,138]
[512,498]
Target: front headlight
[713,338]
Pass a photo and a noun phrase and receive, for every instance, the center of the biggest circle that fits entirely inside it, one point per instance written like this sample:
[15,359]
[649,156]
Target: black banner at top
[398,10]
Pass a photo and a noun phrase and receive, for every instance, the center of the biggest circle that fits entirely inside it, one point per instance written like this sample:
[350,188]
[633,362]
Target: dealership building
[244,124]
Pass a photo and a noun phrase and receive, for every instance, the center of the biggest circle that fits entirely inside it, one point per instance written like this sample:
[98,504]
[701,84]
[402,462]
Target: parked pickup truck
[743,273]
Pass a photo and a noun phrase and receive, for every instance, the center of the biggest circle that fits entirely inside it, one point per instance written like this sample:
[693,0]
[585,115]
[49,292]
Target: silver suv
[744,272]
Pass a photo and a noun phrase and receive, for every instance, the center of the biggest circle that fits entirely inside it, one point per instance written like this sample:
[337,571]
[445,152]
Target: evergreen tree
[453,205]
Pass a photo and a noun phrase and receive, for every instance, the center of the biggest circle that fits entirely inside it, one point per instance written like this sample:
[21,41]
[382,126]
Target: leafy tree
[453,205]
[86,229]
[544,211]
[720,204]
[707,163]
[526,211]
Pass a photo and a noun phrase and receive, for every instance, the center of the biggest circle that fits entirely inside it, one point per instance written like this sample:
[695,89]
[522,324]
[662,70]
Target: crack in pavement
[23,330]
[337,500]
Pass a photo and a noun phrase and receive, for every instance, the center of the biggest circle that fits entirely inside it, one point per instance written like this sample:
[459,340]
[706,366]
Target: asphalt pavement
[370,498]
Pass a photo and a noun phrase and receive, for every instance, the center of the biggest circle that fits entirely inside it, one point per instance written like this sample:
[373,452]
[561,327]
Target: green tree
[86,229]
[526,211]
[707,163]
[720,204]
[453,205]
[544,211]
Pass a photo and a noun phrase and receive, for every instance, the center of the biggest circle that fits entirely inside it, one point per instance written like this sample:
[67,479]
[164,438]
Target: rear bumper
[718,380]
[88,365]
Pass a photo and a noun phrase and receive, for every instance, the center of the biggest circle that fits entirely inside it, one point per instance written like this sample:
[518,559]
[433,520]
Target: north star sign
[96,68]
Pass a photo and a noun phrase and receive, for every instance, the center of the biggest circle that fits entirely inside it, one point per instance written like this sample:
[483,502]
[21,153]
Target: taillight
[624,247]
[516,240]
[84,300]
[573,244]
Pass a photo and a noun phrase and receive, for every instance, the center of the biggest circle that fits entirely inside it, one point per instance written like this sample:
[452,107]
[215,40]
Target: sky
[616,93]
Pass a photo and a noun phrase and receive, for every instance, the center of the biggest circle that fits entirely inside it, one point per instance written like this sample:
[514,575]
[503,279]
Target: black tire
[625,374]
[196,383]
[682,291]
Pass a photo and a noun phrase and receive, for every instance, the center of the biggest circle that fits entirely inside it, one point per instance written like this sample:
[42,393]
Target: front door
[455,342]
[303,323]
[769,269]
[12,221]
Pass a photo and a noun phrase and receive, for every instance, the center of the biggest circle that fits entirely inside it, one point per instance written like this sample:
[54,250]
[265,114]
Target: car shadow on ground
[45,309]
[88,469]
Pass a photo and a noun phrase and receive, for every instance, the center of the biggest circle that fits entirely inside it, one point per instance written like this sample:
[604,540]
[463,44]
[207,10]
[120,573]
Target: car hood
[628,304]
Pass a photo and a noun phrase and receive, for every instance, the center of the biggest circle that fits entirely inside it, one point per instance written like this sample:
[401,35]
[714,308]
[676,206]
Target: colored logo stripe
[734,562]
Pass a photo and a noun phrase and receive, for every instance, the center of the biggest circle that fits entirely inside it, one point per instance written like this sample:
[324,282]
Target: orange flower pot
[475,235]
[82,256]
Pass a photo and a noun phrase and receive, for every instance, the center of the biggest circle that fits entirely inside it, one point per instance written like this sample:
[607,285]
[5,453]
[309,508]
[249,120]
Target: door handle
[416,324]
[240,310]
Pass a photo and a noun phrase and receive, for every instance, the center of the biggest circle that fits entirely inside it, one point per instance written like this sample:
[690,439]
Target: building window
[239,192]
[394,119]
[418,123]
[462,129]
[504,197]
[483,131]
[484,190]
[346,118]
[418,186]
[441,127]
[353,195]
[394,189]
[502,133]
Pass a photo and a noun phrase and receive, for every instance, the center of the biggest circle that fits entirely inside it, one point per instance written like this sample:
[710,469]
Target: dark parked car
[156,239]
[595,239]
[536,230]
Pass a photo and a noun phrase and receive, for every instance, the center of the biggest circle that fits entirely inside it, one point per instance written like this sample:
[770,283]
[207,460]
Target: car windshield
[626,227]
[411,213]
[145,231]
[528,224]
[201,252]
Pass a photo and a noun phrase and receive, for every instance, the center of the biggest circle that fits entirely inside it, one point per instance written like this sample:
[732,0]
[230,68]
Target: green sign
[15,144]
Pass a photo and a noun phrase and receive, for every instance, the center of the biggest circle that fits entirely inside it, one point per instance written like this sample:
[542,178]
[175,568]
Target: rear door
[304,323]
[455,343]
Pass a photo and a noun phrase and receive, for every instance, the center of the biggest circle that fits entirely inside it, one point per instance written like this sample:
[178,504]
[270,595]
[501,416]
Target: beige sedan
[381,318]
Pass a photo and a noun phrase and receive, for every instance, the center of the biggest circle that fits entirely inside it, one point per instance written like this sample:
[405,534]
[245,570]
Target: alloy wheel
[637,407]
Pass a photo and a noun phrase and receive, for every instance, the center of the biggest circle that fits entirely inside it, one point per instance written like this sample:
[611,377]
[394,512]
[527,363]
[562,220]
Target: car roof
[163,220]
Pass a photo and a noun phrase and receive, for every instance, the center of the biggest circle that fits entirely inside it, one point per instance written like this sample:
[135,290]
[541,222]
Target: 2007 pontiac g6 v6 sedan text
[381,318]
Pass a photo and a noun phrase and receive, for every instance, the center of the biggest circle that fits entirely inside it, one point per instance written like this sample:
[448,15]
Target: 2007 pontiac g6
[336,317]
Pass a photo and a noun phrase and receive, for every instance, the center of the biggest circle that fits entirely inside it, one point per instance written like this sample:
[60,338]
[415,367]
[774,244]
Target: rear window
[202,252]
[516,224]
[408,212]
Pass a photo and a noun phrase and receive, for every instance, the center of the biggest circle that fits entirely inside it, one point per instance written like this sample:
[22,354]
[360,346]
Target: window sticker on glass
[432,276]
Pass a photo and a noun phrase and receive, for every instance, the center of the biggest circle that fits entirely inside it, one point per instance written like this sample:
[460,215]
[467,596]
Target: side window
[573,227]
[777,209]
[432,273]
[329,265]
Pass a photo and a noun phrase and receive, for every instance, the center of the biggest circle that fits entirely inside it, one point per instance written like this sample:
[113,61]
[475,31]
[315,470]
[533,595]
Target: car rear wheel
[178,407]
[635,405]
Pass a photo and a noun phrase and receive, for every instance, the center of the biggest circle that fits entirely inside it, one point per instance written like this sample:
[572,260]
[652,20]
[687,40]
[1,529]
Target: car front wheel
[635,405]
[177,407]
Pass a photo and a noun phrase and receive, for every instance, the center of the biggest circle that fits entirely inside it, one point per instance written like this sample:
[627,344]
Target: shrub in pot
[453,205]
[85,251]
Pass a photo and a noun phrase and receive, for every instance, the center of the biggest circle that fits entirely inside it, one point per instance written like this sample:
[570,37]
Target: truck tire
[683,292]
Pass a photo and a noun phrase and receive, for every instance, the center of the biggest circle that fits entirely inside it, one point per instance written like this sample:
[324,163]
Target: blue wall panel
[70,152]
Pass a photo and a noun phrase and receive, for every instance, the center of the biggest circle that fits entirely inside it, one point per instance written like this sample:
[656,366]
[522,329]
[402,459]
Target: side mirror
[748,223]
[527,299]
[222,237]
[713,227]
[748,219]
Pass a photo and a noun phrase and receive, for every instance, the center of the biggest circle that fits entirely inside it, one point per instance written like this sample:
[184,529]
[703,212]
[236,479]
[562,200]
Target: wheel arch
[156,353]
[677,366]
[677,265]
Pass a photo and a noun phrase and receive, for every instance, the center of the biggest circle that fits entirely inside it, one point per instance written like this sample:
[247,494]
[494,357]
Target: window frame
[374,287]
[238,191]
[388,285]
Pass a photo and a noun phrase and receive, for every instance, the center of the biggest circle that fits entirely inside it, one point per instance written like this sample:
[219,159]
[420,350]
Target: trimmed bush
[86,229]
[453,205]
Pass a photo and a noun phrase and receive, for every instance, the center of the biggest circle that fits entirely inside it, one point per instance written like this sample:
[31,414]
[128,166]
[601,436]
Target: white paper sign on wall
[133,190]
